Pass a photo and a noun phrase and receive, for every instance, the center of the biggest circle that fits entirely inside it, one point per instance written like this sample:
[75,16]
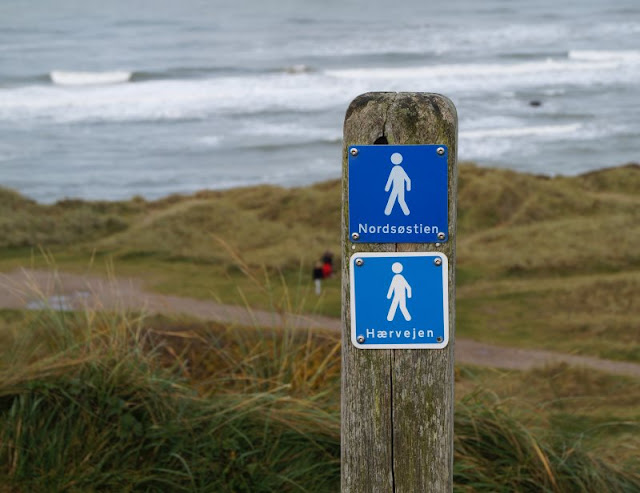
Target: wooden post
[397,404]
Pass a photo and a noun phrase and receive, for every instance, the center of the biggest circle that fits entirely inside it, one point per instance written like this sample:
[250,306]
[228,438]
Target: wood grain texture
[397,405]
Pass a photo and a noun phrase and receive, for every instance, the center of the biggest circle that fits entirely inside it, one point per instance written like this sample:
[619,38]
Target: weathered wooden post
[397,404]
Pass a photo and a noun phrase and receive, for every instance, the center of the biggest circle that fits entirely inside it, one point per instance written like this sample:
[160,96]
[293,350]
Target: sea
[122,98]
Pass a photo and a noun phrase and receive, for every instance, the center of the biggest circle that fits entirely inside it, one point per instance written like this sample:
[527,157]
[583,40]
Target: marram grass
[100,411]
[117,402]
[495,452]
[556,257]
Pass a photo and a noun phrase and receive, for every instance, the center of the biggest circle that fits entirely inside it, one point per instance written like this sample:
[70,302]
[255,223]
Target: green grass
[117,402]
[102,402]
[491,443]
[542,262]
[592,314]
[600,411]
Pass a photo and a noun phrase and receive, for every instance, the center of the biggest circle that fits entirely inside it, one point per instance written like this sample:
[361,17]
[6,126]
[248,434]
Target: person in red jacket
[327,265]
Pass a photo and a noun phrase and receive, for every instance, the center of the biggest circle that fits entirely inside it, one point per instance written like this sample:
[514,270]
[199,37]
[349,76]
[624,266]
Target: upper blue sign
[398,194]
[399,300]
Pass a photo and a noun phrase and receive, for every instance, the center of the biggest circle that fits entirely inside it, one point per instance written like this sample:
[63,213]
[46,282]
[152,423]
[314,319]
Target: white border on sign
[445,299]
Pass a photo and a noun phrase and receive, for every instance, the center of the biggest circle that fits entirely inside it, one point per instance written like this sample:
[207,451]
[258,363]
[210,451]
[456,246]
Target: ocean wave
[298,69]
[151,98]
[420,38]
[525,55]
[632,56]
[210,141]
[63,78]
[534,68]
[175,73]
[290,130]
[166,100]
[536,131]
[86,78]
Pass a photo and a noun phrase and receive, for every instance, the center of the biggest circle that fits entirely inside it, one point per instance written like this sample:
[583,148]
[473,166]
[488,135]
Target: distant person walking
[327,264]
[318,275]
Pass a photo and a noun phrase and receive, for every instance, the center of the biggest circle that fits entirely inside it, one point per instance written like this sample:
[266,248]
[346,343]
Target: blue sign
[399,300]
[398,194]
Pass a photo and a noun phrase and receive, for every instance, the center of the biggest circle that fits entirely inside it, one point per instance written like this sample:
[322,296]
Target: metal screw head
[355,236]
[441,235]
[439,339]
[354,151]
[440,151]
[359,262]
[437,261]
[360,339]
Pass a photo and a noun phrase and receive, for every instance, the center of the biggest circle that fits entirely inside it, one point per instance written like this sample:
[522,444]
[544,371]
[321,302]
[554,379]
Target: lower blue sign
[399,300]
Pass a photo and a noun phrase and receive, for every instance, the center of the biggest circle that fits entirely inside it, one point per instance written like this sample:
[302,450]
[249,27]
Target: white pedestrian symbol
[397,182]
[400,290]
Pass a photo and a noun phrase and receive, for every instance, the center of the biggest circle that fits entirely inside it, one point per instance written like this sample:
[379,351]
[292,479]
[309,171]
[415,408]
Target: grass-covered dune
[114,402]
[553,225]
[99,401]
[542,262]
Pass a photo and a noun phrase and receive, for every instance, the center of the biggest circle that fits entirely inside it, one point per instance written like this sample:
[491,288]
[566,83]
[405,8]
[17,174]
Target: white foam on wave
[210,140]
[176,99]
[420,38]
[535,131]
[64,78]
[291,130]
[494,77]
[540,69]
[298,69]
[276,92]
[615,30]
[559,91]
[629,56]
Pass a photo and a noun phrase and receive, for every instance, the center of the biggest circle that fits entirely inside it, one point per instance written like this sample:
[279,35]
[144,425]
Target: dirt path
[37,289]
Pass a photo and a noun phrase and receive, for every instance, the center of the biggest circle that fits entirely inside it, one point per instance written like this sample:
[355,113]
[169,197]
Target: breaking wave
[629,56]
[63,78]
[538,131]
